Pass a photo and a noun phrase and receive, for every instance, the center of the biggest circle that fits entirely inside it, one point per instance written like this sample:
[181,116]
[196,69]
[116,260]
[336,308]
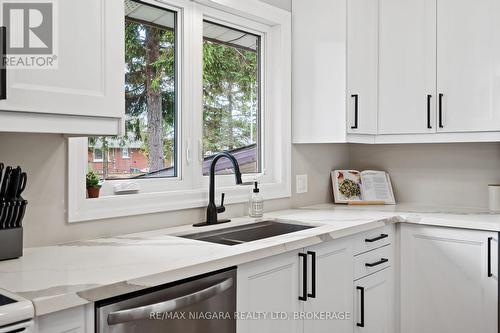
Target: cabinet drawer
[374,239]
[373,261]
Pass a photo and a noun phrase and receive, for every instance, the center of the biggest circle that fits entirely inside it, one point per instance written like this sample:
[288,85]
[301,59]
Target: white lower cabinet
[448,284]
[274,285]
[269,286]
[449,280]
[333,282]
[374,303]
[75,320]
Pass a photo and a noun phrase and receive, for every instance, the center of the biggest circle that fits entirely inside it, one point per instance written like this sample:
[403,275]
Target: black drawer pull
[313,274]
[3,65]
[380,262]
[490,274]
[429,97]
[371,240]
[441,111]
[362,306]
[356,97]
[304,277]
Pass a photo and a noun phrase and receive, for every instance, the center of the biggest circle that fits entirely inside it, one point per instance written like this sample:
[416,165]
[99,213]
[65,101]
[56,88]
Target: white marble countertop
[67,275]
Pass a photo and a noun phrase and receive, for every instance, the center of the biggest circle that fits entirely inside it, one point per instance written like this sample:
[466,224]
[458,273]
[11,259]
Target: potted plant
[93,185]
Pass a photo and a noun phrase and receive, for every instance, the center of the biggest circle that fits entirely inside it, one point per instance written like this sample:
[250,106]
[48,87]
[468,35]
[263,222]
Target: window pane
[231,99]
[149,146]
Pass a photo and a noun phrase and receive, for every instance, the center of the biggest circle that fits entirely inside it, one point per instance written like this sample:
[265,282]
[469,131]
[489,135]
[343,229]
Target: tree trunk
[105,158]
[154,101]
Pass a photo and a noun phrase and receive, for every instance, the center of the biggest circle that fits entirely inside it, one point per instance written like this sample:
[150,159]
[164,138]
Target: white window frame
[190,188]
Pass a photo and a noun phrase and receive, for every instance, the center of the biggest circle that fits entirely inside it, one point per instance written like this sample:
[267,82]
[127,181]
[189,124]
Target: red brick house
[123,162]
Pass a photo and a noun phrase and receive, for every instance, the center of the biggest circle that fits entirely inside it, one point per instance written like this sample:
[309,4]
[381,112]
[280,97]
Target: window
[231,98]
[97,155]
[150,98]
[199,79]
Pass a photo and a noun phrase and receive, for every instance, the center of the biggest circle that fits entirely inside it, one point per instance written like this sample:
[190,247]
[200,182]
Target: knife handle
[20,214]
[5,182]
[22,184]
[14,183]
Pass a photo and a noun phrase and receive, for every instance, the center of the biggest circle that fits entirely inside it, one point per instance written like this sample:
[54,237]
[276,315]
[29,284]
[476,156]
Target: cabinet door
[469,64]
[407,66]
[374,303]
[319,74]
[362,60]
[269,286]
[331,286]
[449,280]
[75,320]
[89,78]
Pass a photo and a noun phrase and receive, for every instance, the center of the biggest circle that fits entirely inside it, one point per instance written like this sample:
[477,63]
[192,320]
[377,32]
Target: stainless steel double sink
[247,233]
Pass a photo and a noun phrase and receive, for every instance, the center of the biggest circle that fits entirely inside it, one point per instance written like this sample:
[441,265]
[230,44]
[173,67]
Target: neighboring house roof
[244,155]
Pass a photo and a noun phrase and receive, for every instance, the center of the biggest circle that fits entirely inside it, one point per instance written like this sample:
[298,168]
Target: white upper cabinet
[407,66]
[416,71]
[84,93]
[319,72]
[468,75]
[362,66]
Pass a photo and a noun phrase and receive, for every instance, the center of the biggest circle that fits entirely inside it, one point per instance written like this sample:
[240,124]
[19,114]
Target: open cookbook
[351,186]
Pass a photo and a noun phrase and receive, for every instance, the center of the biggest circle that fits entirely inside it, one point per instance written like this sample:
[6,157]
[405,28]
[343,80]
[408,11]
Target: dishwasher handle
[144,312]
[21,327]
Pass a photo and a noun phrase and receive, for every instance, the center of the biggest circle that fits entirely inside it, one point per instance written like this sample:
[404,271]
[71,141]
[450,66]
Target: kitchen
[348,83]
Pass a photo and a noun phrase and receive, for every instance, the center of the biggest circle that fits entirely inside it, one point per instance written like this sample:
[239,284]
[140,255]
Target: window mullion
[196,92]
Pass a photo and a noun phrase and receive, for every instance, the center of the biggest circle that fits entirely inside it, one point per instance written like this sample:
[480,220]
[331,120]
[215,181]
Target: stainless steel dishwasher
[203,304]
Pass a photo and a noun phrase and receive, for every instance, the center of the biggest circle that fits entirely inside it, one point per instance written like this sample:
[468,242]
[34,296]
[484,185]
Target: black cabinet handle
[3,65]
[441,111]
[304,277]
[313,274]
[490,274]
[371,240]
[429,97]
[376,263]
[362,306]
[355,96]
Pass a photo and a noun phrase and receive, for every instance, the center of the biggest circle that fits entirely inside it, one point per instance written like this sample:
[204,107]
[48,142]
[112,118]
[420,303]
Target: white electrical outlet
[301,182]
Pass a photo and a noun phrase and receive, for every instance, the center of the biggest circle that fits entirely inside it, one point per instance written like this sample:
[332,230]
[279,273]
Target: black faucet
[212,209]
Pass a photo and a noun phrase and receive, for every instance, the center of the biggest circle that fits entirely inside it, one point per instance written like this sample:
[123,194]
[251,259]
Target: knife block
[11,243]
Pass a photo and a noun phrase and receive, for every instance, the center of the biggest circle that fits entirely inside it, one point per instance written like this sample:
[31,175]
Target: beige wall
[44,157]
[438,174]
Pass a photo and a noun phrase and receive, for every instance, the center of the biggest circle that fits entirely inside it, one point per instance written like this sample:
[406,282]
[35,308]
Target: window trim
[189,189]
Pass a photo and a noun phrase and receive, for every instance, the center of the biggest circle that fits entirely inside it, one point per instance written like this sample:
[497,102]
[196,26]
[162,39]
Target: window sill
[115,206]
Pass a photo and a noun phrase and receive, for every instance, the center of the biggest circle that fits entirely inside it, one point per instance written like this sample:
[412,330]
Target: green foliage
[137,82]
[230,97]
[93,180]
[230,91]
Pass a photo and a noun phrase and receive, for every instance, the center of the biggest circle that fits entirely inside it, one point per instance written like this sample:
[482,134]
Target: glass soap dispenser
[256,204]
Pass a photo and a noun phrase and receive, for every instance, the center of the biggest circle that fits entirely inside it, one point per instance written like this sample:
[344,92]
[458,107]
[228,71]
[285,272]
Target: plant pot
[93,192]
